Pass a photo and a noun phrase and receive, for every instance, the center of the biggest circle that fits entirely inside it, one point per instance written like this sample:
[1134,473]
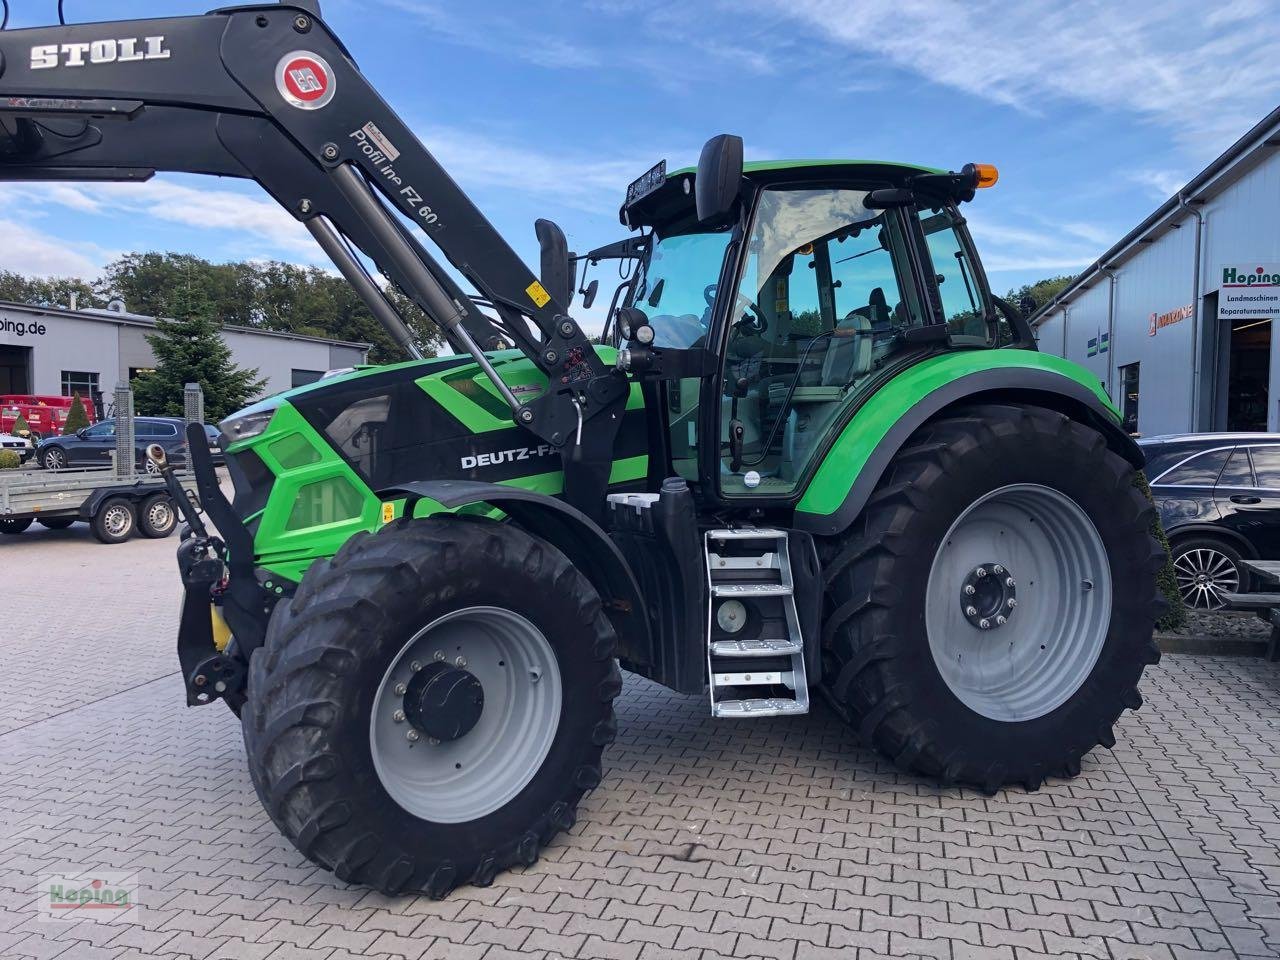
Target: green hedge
[9,460]
[1176,615]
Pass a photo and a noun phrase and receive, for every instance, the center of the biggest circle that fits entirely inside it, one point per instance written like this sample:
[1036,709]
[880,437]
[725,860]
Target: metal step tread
[752,678]
[747,533]
[762,707]
[754,648]
[750,590]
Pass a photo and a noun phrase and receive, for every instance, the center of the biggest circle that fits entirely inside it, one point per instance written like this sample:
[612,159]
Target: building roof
[1253,147]
[127,319]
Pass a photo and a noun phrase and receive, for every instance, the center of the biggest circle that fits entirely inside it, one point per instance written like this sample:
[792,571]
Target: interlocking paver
[707,839]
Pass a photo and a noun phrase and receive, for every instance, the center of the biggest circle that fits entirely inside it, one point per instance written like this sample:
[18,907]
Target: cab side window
[963,303]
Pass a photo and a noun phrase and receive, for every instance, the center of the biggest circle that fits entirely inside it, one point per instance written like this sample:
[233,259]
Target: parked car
[95,446]
[1219,500]
[19,445]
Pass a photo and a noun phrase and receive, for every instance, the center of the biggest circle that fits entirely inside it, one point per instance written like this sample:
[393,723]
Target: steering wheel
[752,321]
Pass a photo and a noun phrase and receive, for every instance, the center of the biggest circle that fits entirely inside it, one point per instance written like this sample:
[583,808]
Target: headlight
[246,426]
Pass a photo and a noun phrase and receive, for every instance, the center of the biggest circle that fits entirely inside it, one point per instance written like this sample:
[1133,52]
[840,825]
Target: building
[47,350]
[1177,318]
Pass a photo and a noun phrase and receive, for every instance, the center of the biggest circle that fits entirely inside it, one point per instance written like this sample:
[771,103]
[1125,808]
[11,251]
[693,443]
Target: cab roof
[674,198]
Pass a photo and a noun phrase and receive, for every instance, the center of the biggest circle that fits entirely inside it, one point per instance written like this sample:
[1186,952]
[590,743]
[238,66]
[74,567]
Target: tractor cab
[801,285]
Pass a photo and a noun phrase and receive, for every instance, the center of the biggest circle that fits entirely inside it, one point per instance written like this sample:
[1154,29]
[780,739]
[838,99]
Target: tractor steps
[753,628]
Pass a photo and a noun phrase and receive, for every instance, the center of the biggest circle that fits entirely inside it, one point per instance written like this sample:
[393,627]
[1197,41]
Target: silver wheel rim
[1043,652]
[116,521]
[1204,574]
[152,468]
[160,515]
[483,770]
[54,459]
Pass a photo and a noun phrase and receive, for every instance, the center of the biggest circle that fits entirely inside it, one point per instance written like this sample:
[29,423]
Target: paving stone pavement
[773,839]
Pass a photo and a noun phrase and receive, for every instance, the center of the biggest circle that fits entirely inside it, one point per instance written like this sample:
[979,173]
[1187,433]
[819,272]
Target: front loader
[810,455]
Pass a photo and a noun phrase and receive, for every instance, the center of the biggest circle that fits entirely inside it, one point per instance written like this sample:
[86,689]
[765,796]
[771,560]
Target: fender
[881,427]
[1199,528]
[586,545]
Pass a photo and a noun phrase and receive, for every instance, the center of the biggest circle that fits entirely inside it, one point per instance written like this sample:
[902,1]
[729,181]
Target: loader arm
[268,93]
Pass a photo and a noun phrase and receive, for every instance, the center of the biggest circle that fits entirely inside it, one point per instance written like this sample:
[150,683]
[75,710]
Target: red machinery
[45,414]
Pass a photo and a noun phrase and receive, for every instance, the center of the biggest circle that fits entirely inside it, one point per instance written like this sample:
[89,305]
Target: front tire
[373,647]
[994,503]
[55,458]
[115,520]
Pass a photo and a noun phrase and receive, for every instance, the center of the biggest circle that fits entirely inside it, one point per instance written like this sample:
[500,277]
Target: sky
[1094,113]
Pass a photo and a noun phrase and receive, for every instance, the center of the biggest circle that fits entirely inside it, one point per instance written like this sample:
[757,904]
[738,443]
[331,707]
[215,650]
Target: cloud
[586,182]
[256,218]
[32,252]
[1161,184]
[1036,245]
[1205,73]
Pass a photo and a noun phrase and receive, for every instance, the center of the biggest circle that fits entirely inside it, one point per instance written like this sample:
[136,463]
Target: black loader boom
[267,93]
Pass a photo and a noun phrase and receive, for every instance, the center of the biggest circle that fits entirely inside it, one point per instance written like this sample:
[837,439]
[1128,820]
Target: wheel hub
[989,596]
[443,702]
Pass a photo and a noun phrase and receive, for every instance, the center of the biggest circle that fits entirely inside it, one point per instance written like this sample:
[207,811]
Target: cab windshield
[678,285]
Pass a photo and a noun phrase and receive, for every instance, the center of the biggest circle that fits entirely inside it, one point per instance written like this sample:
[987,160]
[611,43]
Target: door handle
[1241,498]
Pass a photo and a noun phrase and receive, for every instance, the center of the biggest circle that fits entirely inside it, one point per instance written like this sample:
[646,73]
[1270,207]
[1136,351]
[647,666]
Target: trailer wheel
[157,518]
[115,520]
[56,523]
[991,612]
[14,525]
[432,704]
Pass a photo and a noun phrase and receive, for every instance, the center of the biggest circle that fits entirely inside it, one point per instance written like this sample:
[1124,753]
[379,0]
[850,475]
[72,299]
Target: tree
[189,349]
[77,419]
[20,427]
[46,291]
[1041,291]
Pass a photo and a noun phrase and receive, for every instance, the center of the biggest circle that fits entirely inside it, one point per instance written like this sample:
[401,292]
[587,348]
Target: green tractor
[809,453]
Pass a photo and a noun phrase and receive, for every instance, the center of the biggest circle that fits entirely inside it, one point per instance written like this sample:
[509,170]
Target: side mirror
[81,432]
[715,190]
[557,275]
[589,294]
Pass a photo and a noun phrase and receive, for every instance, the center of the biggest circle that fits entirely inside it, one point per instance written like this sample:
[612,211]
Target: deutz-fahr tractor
[809,453]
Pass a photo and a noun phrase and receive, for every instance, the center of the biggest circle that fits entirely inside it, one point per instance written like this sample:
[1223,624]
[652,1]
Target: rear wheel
[1206,567]
[432,704]
[115,520]
[990,613]
[14,525]
[157,518]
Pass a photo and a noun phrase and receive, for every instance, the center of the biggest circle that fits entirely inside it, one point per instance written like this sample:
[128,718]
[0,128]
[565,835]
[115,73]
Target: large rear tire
[432,704]
[991,611]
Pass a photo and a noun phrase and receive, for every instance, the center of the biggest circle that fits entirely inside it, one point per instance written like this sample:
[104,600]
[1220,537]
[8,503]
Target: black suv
[94,446]
[1219,501]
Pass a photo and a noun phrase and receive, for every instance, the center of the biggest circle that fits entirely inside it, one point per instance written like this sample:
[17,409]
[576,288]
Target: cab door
[1248,497]
[825,292]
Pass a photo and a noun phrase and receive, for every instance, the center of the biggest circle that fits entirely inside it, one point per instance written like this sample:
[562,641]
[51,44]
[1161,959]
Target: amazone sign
[1249,292]
[1159,320]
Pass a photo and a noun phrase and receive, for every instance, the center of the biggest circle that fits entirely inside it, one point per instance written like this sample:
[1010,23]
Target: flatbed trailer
[113,506]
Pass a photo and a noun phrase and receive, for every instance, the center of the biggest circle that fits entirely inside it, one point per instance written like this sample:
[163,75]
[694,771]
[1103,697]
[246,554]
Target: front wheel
[992,611]
[432,704]
[53,459]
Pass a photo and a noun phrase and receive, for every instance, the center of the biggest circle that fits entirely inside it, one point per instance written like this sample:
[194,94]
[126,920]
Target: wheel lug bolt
[415,666]
[970,590]
[433,741]
[413,736]
[997,569]
[980,572]
[1011,603]
[460,662]
[1001,620]
[438,656]
[971,611]
[984,623]
[400,689]
[1009,582]
[398,716]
